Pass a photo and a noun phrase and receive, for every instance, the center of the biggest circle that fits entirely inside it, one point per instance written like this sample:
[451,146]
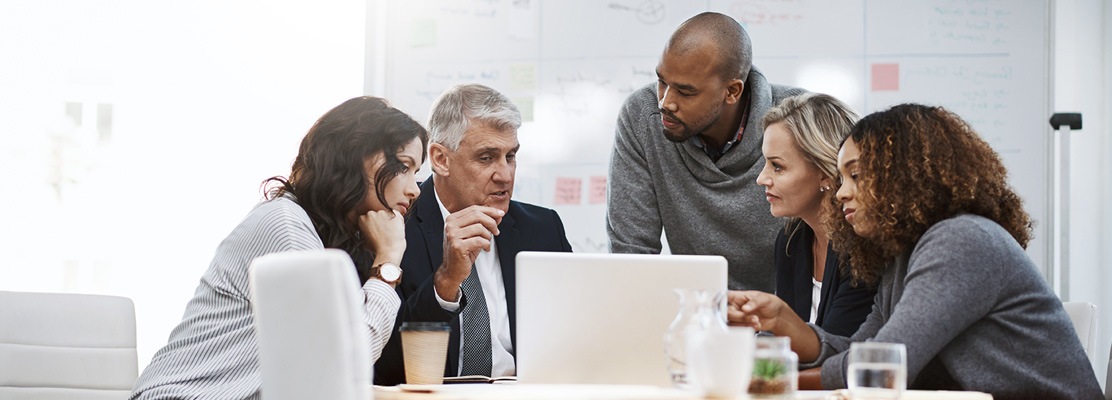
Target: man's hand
[466,233]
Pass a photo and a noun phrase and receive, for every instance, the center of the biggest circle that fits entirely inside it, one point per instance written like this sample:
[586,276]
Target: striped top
[213,353]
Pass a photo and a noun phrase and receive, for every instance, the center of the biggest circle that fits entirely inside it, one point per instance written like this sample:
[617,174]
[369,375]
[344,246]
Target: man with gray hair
[464,233]
[688,151]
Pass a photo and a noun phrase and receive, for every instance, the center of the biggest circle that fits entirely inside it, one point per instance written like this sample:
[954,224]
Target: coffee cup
[424,351]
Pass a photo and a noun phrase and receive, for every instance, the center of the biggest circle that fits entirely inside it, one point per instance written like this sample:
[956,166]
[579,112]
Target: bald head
[722,35]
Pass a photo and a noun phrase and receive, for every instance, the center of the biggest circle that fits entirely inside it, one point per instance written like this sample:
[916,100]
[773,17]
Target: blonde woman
[800,148]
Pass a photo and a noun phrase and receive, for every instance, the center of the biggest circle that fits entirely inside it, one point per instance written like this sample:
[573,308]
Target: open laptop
[600,318]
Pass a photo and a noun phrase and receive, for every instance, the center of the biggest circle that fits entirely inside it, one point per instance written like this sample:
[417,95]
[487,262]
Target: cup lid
[424,326]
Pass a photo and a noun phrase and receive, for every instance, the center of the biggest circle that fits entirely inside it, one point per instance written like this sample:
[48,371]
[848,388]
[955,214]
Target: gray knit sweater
[704,207]
[975,314]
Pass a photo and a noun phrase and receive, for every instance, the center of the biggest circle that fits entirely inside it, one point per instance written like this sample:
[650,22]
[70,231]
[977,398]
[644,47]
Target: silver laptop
[600,318]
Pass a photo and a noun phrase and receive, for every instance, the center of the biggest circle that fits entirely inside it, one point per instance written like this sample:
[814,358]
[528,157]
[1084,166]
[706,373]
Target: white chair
[66,346]
[1084,317]
[312,343]
[1108,378]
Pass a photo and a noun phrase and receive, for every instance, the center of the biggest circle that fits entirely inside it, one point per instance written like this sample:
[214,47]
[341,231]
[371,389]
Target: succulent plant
[768,370]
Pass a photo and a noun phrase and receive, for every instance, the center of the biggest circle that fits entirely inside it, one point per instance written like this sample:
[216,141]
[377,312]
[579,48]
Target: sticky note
[525,105]
[568,191]
[423,33]
[523,77]
[597,190]
[885,77]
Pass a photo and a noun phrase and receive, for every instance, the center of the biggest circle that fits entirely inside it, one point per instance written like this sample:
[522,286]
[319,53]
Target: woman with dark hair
[350,187]
[927,213]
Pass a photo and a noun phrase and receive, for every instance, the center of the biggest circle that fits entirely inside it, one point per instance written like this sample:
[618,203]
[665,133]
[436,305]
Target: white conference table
[605,392]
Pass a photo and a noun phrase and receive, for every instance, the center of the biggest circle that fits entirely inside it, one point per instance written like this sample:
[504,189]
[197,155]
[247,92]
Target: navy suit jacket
[525,227]
[843,306]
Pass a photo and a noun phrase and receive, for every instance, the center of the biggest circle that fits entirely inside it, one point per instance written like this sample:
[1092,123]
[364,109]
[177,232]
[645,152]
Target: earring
[823,189]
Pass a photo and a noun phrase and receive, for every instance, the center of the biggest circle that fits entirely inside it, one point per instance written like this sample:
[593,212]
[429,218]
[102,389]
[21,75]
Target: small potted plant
[770,379]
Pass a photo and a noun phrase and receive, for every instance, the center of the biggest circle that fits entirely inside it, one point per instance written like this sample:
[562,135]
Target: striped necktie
[475,356]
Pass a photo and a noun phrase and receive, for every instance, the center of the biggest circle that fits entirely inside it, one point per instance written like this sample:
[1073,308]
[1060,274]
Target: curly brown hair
[920,165]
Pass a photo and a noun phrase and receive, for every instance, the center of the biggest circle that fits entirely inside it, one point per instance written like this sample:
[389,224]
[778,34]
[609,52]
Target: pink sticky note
[597,190]
[886,77]
[568,191]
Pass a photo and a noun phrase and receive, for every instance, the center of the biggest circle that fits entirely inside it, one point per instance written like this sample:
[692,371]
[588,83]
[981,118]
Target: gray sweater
[704,207]
[975,314]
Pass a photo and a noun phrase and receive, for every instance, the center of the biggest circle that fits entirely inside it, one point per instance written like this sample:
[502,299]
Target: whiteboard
[569,65]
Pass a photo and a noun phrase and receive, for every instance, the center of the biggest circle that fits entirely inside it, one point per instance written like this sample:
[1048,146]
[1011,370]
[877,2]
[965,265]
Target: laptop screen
[600,318]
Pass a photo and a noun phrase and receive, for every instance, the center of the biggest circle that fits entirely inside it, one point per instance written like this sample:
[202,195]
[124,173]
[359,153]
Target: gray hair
[462,105]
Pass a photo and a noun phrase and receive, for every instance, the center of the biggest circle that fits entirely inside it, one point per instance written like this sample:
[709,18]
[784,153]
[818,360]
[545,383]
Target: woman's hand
[385,234]
[766,312]
[758,310]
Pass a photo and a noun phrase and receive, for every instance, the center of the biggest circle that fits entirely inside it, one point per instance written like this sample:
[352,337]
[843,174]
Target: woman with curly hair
[930,217]
[349,188]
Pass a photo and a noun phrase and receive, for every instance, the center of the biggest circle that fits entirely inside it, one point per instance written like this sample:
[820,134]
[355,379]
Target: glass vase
[775,369]
[700,311]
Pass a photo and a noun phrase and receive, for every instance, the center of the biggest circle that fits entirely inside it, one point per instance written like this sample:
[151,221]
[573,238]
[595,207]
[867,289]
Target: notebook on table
[600,318]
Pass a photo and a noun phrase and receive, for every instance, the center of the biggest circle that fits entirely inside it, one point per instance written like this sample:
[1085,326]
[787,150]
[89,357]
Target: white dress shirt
[494,290]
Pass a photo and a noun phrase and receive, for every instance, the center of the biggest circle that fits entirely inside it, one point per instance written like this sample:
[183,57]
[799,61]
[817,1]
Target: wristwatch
[388,272]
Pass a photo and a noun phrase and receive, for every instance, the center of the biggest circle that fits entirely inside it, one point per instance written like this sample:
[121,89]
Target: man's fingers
[488,217]
[470,246]
[467,232]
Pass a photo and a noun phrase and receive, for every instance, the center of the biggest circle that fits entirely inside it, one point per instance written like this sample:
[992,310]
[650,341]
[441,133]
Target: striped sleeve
[380,309]
[213,353]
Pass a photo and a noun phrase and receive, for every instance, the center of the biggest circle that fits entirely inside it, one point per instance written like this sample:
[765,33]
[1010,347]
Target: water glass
[877,370]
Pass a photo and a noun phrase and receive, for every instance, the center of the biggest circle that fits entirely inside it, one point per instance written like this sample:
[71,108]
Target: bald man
[688,151]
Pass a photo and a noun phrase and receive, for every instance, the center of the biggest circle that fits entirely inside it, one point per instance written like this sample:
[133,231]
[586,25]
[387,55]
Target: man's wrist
[446,286]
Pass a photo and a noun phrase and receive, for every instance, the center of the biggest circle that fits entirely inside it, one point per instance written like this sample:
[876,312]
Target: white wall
[1083,83]
[208,99]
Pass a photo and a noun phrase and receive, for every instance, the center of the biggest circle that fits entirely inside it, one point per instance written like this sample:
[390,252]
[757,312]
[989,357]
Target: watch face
[389,272]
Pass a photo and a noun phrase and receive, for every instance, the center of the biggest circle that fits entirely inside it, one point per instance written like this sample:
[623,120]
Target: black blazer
[843,306]
[525,227]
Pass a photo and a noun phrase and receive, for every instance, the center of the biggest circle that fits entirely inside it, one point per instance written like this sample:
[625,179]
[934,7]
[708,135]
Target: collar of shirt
[715,154]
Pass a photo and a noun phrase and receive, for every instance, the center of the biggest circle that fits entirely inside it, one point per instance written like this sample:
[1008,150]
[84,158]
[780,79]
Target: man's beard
[685,130]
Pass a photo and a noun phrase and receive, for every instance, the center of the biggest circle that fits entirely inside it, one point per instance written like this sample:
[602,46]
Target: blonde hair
[818,123]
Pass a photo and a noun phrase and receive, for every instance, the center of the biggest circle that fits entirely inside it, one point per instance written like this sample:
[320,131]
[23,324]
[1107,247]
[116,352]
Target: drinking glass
[877,370]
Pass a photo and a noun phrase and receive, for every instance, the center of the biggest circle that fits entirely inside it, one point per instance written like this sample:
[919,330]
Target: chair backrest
[1108,378]
[1084,317]
[312,342]
[66,346]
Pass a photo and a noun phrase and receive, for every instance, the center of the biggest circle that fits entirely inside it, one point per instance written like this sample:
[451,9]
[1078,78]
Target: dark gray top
[704,206]
[975,314]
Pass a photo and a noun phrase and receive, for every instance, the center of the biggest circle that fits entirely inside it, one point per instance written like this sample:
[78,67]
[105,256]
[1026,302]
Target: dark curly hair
[328,179]
[920,165]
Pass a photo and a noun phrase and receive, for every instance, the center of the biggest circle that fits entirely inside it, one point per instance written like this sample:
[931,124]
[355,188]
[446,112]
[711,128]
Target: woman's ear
[826,185]
[438,159]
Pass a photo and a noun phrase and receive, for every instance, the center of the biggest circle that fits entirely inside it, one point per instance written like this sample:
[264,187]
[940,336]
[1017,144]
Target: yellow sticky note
[523,77]
[423,33]
[525,105]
